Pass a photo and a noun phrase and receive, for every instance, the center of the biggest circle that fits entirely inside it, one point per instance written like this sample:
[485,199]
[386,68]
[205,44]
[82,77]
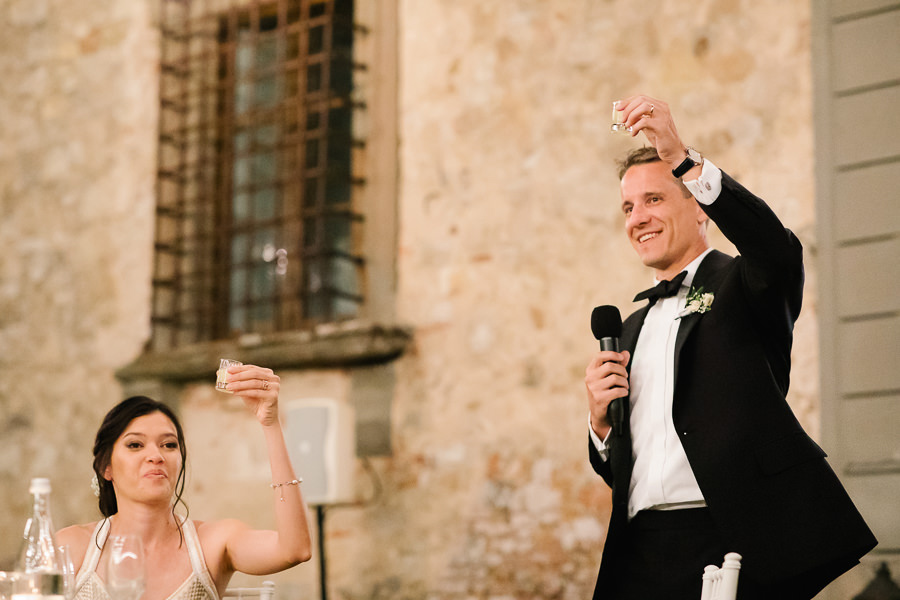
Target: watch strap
[687,164]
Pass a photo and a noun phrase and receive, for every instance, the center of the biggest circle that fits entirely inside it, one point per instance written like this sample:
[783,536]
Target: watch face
[694,156]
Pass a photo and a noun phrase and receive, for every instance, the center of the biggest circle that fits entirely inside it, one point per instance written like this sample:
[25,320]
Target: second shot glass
[222,373]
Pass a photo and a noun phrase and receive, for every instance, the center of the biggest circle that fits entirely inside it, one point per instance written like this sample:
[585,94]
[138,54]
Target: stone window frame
[373,337]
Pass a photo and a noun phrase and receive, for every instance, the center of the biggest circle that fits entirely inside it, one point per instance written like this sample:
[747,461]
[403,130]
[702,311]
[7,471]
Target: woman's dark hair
[114,424]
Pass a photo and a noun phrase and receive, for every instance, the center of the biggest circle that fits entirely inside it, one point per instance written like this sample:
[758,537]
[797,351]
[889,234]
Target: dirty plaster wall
[509,236]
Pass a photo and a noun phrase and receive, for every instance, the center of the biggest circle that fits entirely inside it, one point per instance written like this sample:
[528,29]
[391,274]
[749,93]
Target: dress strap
[198,562]
[94,550]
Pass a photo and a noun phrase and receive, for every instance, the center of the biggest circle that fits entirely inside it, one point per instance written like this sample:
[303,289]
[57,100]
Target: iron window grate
[256,231]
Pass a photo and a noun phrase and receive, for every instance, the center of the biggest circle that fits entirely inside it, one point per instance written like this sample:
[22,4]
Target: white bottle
[40,569]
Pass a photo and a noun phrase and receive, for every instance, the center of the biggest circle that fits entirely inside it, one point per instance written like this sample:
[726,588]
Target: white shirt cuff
[708,186]
[599,444]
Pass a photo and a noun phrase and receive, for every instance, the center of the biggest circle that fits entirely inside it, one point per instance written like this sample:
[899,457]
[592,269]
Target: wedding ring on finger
[651,109]
[265,384]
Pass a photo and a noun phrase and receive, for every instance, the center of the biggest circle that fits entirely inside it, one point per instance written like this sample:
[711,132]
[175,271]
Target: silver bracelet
[281,485]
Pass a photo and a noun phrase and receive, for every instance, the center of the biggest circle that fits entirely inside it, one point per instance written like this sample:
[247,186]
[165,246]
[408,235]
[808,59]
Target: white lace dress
[198,586]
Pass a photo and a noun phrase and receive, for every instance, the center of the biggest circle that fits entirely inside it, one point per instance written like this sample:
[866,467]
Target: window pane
[263,283]
[267,136]
[314,78]
[316,39]
[236,319]
[265,168]
[311,193]
[337,233]
[312,153]
[238,286]
[264,204]
[310,232]
[241,207]
[241,142]
[240,249]
[261,316]
[263,239]
[267,53]
[242,172]
[267,94]
[243,97]
[342,275]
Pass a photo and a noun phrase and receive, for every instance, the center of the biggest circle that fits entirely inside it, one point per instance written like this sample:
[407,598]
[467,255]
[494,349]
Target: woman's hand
[258,387]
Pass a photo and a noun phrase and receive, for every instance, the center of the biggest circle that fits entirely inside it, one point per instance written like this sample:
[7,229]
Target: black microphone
[606,325]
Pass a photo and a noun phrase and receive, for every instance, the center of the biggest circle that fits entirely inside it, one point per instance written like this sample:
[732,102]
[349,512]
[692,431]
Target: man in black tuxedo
[710,458]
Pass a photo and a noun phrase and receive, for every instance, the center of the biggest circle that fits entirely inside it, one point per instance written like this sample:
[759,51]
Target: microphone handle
[609,344]
[616,409]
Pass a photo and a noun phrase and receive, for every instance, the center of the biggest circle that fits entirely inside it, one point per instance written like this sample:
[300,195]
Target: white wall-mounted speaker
[321,440]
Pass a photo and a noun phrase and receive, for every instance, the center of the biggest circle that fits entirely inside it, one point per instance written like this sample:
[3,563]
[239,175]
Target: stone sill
[339,345]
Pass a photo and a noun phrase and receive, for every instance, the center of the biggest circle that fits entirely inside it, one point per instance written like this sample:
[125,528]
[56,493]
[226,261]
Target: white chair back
[721,583]
[264,592]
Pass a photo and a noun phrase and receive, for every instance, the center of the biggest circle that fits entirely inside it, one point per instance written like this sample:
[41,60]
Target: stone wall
[77,167]
[510,235]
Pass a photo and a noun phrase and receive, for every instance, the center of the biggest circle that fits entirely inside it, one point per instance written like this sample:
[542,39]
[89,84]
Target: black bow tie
[663,289]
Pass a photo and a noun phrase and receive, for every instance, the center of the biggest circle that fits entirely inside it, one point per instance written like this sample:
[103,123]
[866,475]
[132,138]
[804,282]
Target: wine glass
[125,568]
[6,584]
[68,571]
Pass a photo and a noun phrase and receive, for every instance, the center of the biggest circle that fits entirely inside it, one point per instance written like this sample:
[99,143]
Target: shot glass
[618,123]
[222,373]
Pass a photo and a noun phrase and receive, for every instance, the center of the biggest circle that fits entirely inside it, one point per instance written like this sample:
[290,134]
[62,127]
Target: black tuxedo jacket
[769,489]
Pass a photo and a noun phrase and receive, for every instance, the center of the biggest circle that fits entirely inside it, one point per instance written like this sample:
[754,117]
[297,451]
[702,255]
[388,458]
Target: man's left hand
[653,117]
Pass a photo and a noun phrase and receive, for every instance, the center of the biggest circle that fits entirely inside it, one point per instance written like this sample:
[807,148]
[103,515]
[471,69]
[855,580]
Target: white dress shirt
[662,478]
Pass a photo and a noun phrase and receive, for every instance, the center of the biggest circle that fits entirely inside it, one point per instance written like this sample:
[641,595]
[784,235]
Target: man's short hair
[638,156]
[642,156]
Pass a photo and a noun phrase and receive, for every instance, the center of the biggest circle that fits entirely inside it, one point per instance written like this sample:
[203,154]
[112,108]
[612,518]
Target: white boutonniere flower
[697,302]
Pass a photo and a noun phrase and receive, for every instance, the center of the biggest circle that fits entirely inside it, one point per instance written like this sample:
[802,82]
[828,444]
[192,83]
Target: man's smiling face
[666,229]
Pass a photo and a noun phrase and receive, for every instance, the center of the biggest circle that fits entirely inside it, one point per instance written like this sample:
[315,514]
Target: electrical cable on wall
[377,490]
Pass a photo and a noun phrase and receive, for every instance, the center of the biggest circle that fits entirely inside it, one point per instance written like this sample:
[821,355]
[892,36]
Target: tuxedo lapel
[707,279]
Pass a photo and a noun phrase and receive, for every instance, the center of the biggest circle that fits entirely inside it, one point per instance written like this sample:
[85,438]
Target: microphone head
[606,321]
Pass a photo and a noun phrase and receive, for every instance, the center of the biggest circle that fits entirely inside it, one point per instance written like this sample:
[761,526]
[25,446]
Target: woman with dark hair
[139,465]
